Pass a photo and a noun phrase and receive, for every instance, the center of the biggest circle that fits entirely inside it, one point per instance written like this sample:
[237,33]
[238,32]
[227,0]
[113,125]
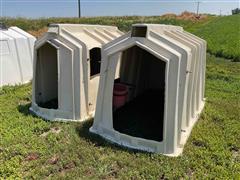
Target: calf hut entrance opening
[46,87]
[140,113]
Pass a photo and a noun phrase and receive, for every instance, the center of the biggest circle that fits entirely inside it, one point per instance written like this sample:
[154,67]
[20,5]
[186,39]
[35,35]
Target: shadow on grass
[24,109]
[83,132]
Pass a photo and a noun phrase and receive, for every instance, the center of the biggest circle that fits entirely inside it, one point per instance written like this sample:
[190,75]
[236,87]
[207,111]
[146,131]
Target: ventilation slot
[95,61]
[139,31]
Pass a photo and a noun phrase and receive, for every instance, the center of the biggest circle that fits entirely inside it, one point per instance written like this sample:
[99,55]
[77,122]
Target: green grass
[222,35]
[33,148]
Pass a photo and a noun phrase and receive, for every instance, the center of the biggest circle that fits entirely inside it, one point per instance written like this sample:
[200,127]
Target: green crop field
[31,148]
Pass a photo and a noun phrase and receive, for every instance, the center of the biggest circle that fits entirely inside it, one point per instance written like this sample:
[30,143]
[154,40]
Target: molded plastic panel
[16,56]
[76,88]
[184,55]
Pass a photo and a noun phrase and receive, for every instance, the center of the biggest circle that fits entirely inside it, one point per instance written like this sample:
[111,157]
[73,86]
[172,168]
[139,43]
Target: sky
[69,8]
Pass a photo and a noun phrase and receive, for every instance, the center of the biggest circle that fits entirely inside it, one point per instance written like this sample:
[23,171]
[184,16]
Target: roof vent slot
[139,31]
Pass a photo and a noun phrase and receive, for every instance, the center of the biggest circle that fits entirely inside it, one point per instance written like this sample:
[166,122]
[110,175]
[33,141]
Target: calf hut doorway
[143,112]
[46,88]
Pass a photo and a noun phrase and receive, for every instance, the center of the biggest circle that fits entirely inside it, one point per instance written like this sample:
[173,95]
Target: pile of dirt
[186,16]
[191,16]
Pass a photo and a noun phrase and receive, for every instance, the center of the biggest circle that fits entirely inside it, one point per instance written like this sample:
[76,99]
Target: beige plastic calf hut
[66,70]
[16,56]
[163,68]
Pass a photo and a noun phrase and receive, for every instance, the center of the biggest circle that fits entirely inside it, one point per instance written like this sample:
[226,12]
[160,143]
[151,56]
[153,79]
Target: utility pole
[79,9]
[220,12]
[198,7]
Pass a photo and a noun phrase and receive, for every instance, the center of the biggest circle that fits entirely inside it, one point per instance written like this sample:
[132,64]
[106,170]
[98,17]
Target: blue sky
[68,8]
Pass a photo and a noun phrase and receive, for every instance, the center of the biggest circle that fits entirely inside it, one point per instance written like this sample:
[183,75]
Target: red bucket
[120,93]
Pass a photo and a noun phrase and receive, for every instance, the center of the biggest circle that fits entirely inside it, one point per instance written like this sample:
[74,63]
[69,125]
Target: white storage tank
[16,56]
[159,94]
[66,70]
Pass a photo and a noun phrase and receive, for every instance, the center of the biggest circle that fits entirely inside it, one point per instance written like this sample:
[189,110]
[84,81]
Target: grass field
[33,148]
[221,33]
[223,36]
[124,23]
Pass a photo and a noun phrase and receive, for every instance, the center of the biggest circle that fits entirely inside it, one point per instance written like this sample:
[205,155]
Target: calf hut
[66,70]
[162,68]
[16,56]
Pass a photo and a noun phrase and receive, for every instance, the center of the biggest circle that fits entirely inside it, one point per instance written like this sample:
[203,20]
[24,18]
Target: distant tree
[236,11]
